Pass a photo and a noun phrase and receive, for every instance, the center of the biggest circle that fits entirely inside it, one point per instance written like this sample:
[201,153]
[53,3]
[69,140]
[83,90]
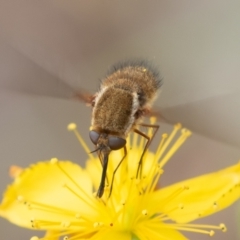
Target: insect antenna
[99,148]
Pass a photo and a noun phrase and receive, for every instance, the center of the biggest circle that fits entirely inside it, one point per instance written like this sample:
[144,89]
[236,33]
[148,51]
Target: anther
[65,224]
[211,233]
[71,126]
[15,171]
[33,223]
[20,199]
[164,135]
[34,238]
[215,205]
[181,206]
[144,212]
[223,227]
[178,125]
[153,120]
[53,160]
[186,131]
[159,169]
[97,224]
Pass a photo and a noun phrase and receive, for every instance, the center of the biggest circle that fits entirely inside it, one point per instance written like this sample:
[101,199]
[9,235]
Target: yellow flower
[60,197]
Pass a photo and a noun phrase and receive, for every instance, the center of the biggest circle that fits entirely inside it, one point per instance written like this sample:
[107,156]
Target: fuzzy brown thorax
[114,111]
[124,96]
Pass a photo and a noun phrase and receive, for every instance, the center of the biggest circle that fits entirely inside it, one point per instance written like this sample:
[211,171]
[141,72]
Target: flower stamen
[168,139]
[184,135]
[175,194]
[91,204]
[135,140]
[73,127]
[155,176]
[74,182]
[46,208]
[160,147]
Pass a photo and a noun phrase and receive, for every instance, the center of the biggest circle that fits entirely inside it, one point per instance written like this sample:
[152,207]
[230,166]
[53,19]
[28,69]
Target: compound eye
[94,136]
[116,143]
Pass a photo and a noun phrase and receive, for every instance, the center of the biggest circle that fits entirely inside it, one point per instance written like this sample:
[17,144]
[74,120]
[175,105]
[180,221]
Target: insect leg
[115,170]
[149,140]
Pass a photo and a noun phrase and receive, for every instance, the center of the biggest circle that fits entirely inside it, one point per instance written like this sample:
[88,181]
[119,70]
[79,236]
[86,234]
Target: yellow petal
[49,235]
[52,235]
[94,169]
[198,197]
[116,235]
[51,191]
[155,231]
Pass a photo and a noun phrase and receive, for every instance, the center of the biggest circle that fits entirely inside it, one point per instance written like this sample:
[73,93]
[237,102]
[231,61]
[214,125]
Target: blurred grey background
[195,44]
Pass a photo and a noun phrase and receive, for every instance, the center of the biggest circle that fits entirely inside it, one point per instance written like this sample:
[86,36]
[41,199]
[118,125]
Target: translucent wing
[51,88]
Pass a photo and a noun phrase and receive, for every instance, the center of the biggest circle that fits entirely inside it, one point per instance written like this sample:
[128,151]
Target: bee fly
[124,98]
